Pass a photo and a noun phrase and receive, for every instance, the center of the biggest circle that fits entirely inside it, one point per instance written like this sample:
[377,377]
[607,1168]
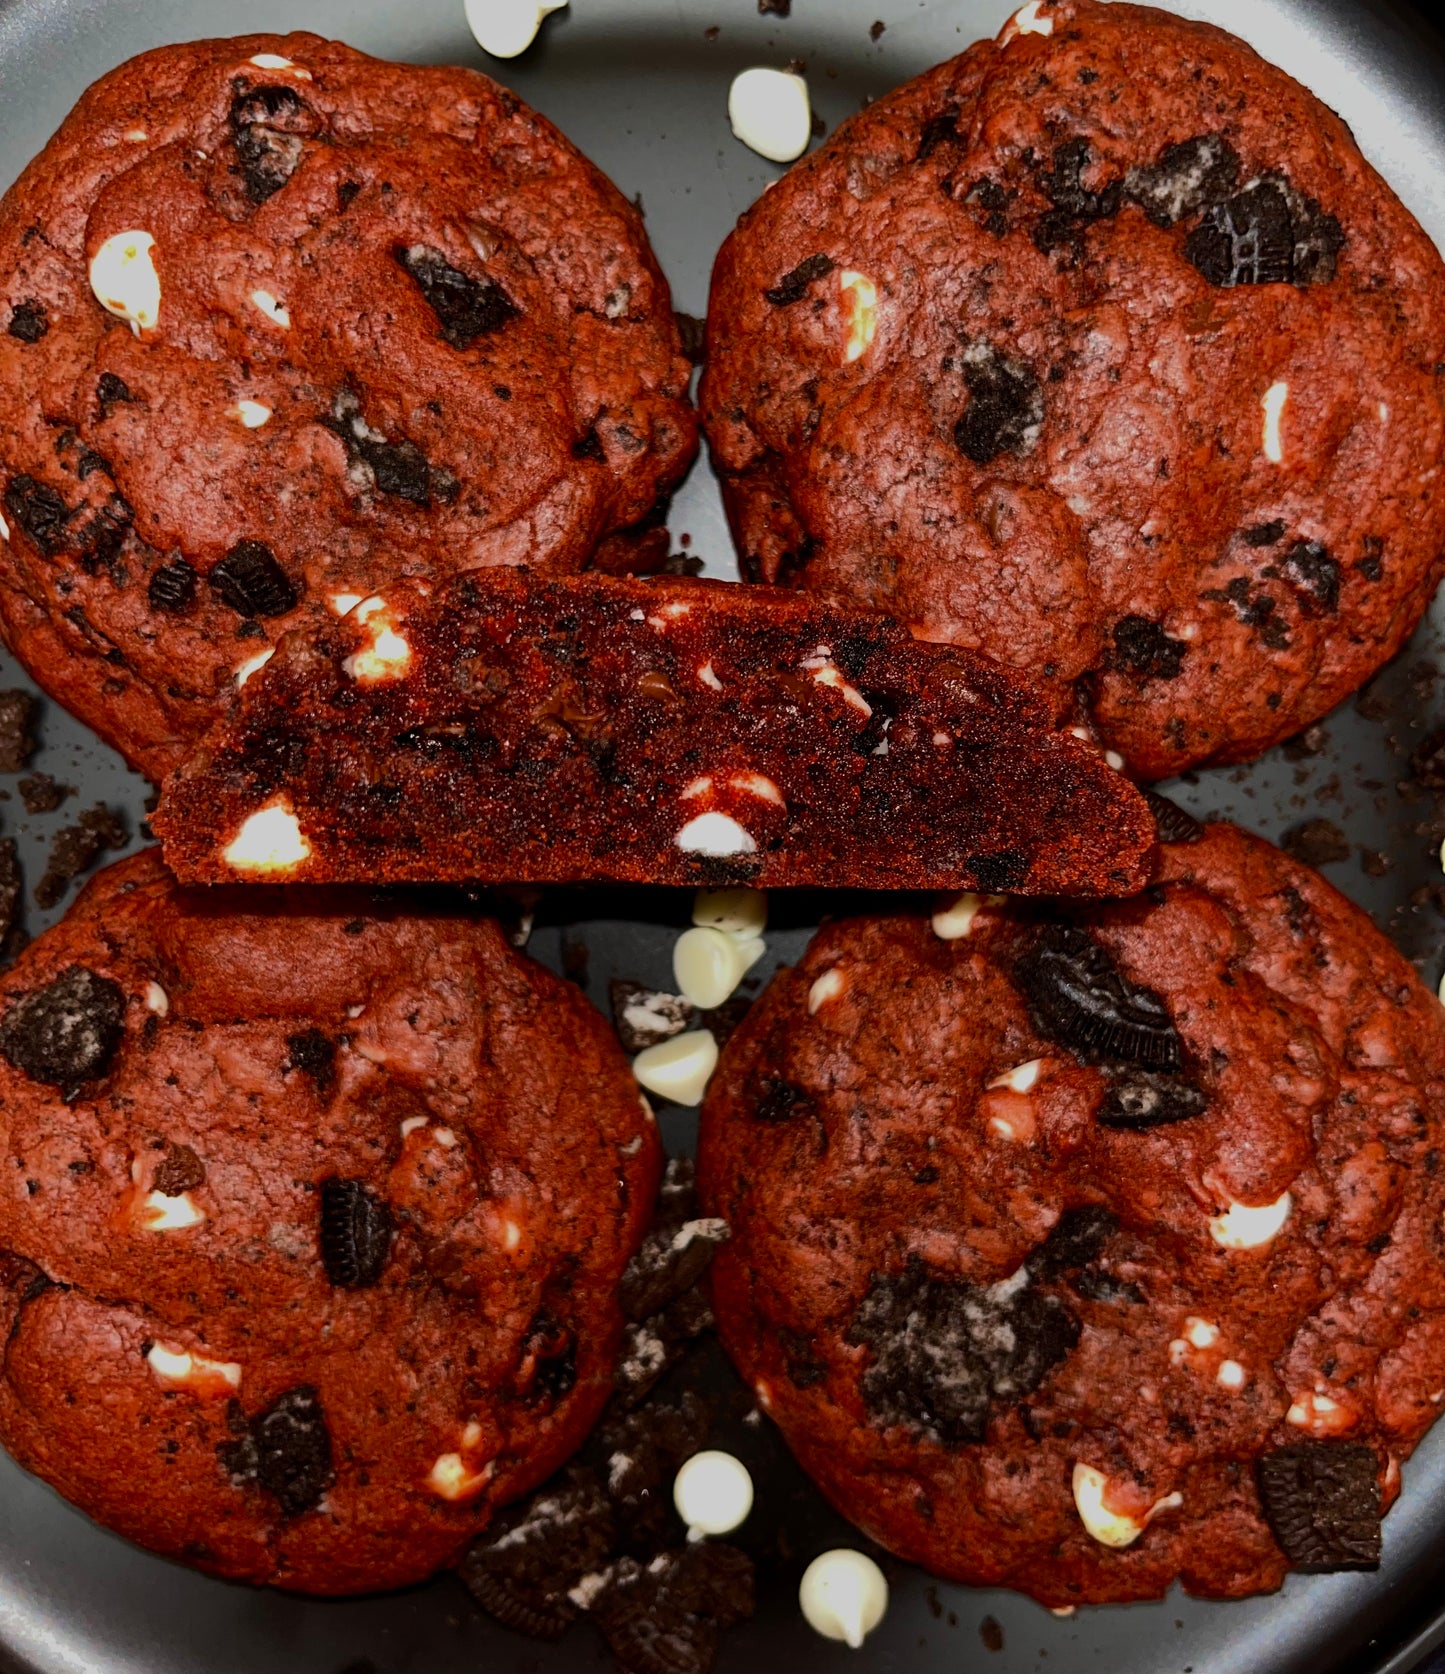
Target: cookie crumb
[43,795]
[1318,842]
[76,848]
[877,30]
[17,740]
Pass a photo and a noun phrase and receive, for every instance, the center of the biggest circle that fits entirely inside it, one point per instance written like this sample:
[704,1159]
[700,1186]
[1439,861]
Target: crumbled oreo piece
[670,1262]
[780,1101]
[1184,179]
[640,1451]
[1005,411]
[172,587]
[268,129]
[39,510]
[1078,1236]
[652,1347]
[396,468]
[286,1451]
[1063,185]
[17,740]
[945,1352]
[1000,872]
[522,1568]
[1263,534]
[180,1170]
[1318,842]
[109,391]
[65,1034]
[775,8]
[664,1617]
[1081,999]
[1173,823]
[547,1371]
[313,1053]
[1142,648]
[1322,1500]
[75,849]
[1427,761]
[793,286]
[1138,1098]
[10,889]
[1266,234]
[1308,567]
[466,308]
[643,1016]
[41,794]
[251,581]
[940,129]
[356,1229]
[28,321]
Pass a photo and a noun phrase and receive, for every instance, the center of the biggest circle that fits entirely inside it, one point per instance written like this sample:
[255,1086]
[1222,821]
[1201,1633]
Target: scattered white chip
[956,919]
[1200,1333]
[1022,1078]
[770,113]
[4,528]
[157,1000]
[843,1596]
[451,1478]
[185,1369]
[1028,20]
[1245,1226]
[136,136]
[1231,1375]
[829,675]
[709,678]
[1108,1527]
[251,664]
[678,1069]
[860,295]
[270,840]
[274,61]
[758,785]
[1273,403]
[826,987]
[708,964]
[344,603]
[1113,759]
[506,28]
[511,1235]
[160,1213]
[252,414]
[271,308]
[124,278]
[713,1493]
[1321,1415]
[410,1125]
[715,834]
[386,657]
[736,912]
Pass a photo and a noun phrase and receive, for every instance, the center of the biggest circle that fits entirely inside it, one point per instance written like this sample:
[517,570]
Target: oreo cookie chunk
[1087,1251]
[900,378]
[250,1223]
[533,404]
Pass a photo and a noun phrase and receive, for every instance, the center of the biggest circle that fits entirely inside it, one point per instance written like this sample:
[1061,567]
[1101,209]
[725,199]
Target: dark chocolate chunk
[1005,411]
[313,1052]
[644,1016]
[1308,567]
[288,1450]
[1318,842]
[1080,998]
[75,849]
[780,1101]
[1141,647]
[1063,185]
[466,308]
[28,321]
[1322,1500]
[1185,178]
[17,741]
[65,1033]
[356,1231]
[671,1261]
[181,1170]
[268,128]
[793,286]
[110,390]
[523,1567]
[250,581]
[547,1372]
[39,510]
[172,586]
[664,1617]
[946,1352]
[1266,234]
[1138,1098]
[1173,823]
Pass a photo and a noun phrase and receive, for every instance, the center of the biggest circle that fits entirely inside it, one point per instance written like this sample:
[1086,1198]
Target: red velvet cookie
[1080,1252]
[1100,348]
[280,323]
[318,1205]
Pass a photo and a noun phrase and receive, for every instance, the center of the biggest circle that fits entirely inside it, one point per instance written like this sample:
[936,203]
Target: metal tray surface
[641,87]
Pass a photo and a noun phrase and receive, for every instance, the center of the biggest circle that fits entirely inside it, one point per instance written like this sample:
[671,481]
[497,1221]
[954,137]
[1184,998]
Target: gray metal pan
[641,85]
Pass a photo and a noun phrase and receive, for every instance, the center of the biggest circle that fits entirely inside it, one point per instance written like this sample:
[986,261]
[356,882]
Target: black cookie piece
[75,848]
[1266,234]
[1140,1098]
[17,741]
[65,1033]
[523,1567]
[644,1016]
[1173,823]
[396,468]
[1183,179]
[1308,567]
[466,308]
[250,580]
[28,321]
[10,888]
[1005,409]
[664,1617]
[1141,647]
[173,586]
[945,1352]
[288,1451]
[1078,1237]
[268,125]
[356,1231]
[642,1451]
[652,1347]
[1318,842]
[1322,1500]
[39,510]
[313,1052]
[548,1369]
[793,287]
[1081,999]
[671,1261]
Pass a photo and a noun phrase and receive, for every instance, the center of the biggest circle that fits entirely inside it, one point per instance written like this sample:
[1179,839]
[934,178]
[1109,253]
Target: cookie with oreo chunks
[318,1206]
[1083,1250]
[280,322]
[1101,348]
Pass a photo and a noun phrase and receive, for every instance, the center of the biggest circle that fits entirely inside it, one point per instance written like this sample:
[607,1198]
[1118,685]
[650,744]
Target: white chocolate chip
[1027,21]
[736,912]
[252,414]
[1200,1333]
[387,656]
[136,136]
[1320,1414]
[344,603]
[451,1478]
[185,1369]
[251,664]
[695,787]
[445,1138]
[4,528]
[161,1213]
[506,28]
[1112,1528]
[511,1235]
[157,1000]
[1022,1078]
[708,965]
[826,987]
[956,919]
[860,297]
[270,840]
[1383,410]
[770,113]
[713,1493]
[843,1596]
[714,834]
[758,785]
[1231,1376]
[1273,403]
[271,308]
[1113,759]
[124,278]
[1245,1226]
[274,61]
[678,1069]
[708,678]
[827,674]
[410,1125]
